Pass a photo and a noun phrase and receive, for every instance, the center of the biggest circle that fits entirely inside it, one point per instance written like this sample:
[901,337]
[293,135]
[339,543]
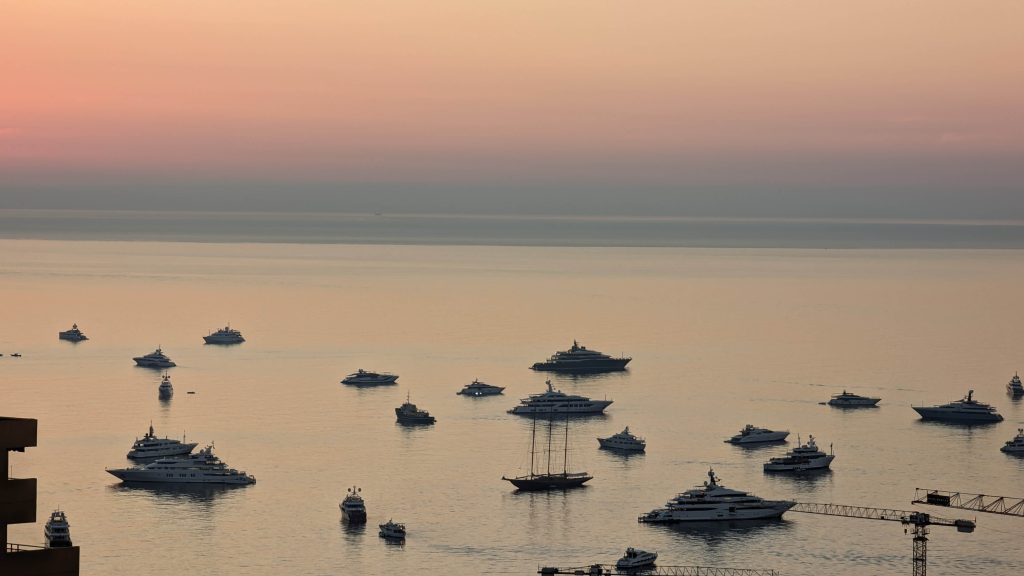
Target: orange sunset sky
[714,107]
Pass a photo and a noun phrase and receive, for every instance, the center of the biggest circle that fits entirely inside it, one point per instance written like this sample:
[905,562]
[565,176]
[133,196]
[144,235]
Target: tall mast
[550,420]
[565,457]
[533,442]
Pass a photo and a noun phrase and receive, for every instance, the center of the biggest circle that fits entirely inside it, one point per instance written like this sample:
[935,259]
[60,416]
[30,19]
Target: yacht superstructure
[803,458]
[1014,387]
[155,359]
[226,335]
[366,378]
[149,446]
[851,400]
[353,508]
[202,467]
[967,410]
[1016,445]
[625,441]
[557,402]
[751,434]
[579,360]
[714,502]
[478,388]
[72,335]
[57,532]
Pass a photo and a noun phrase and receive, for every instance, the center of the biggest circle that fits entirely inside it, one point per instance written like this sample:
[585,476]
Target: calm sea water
[720,338]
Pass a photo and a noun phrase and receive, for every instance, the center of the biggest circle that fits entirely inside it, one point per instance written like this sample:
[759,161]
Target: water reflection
[725,532]
[807,482]
[203,494]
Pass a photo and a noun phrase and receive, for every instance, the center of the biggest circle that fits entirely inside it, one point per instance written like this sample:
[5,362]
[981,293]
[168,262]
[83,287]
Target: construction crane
[611,570]
[919,520]
[980,502]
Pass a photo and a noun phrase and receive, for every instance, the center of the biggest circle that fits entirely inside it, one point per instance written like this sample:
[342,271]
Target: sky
[646,107]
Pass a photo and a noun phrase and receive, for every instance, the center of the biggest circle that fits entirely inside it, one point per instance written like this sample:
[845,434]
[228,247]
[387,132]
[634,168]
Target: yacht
[1015,446]
[149,446]
[56,531]
[226,335]
[557,402]
[803,458]
[73,335]
[751,434]
[166,390]
[579,360]
[364,378]
[1014,387]
[408,413]
[851,400]
[541,478]
[392,530]
[715,502]
[352,507]
[155,359]
[624,441]
[966,410]
[478,388]
[635,558]
[202,467]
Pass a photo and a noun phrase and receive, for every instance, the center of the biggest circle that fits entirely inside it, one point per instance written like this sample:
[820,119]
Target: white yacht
[155,359]
[967,410]
[73,335]
[557,402]
[751,434]
[635,558]
[226,335]
[851,400]
[625,441]
[803,458]
[365,378]
[1014,386]
[57,530]
[149,446]
[392,530]
[202,467]
[1015,446]
[478,388]
[166,389]
[353,508]
[714,502]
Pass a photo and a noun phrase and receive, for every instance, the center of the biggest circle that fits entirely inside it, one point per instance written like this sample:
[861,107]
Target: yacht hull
[867,402]
[218,340]
[767,510]
[609,444]
[128,475]
[150,364]
[759,438]
[549,481]
[959,417]
[354,516]
[590,407]
[587,367]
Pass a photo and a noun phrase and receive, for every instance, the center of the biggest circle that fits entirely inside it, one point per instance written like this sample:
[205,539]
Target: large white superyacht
[202,467]
[714,502]
[557,402]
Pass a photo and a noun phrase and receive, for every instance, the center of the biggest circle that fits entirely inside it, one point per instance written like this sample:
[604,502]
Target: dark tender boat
[408,413]
[579,360]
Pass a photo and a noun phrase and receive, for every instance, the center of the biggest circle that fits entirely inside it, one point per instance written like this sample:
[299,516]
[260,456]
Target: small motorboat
[392,530]
[635,558]
[16,355]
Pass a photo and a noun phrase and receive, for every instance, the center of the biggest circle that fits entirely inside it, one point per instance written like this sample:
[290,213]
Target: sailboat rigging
[549,481]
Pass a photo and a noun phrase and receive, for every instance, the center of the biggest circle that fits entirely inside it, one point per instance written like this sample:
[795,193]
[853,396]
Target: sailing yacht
[548,480]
